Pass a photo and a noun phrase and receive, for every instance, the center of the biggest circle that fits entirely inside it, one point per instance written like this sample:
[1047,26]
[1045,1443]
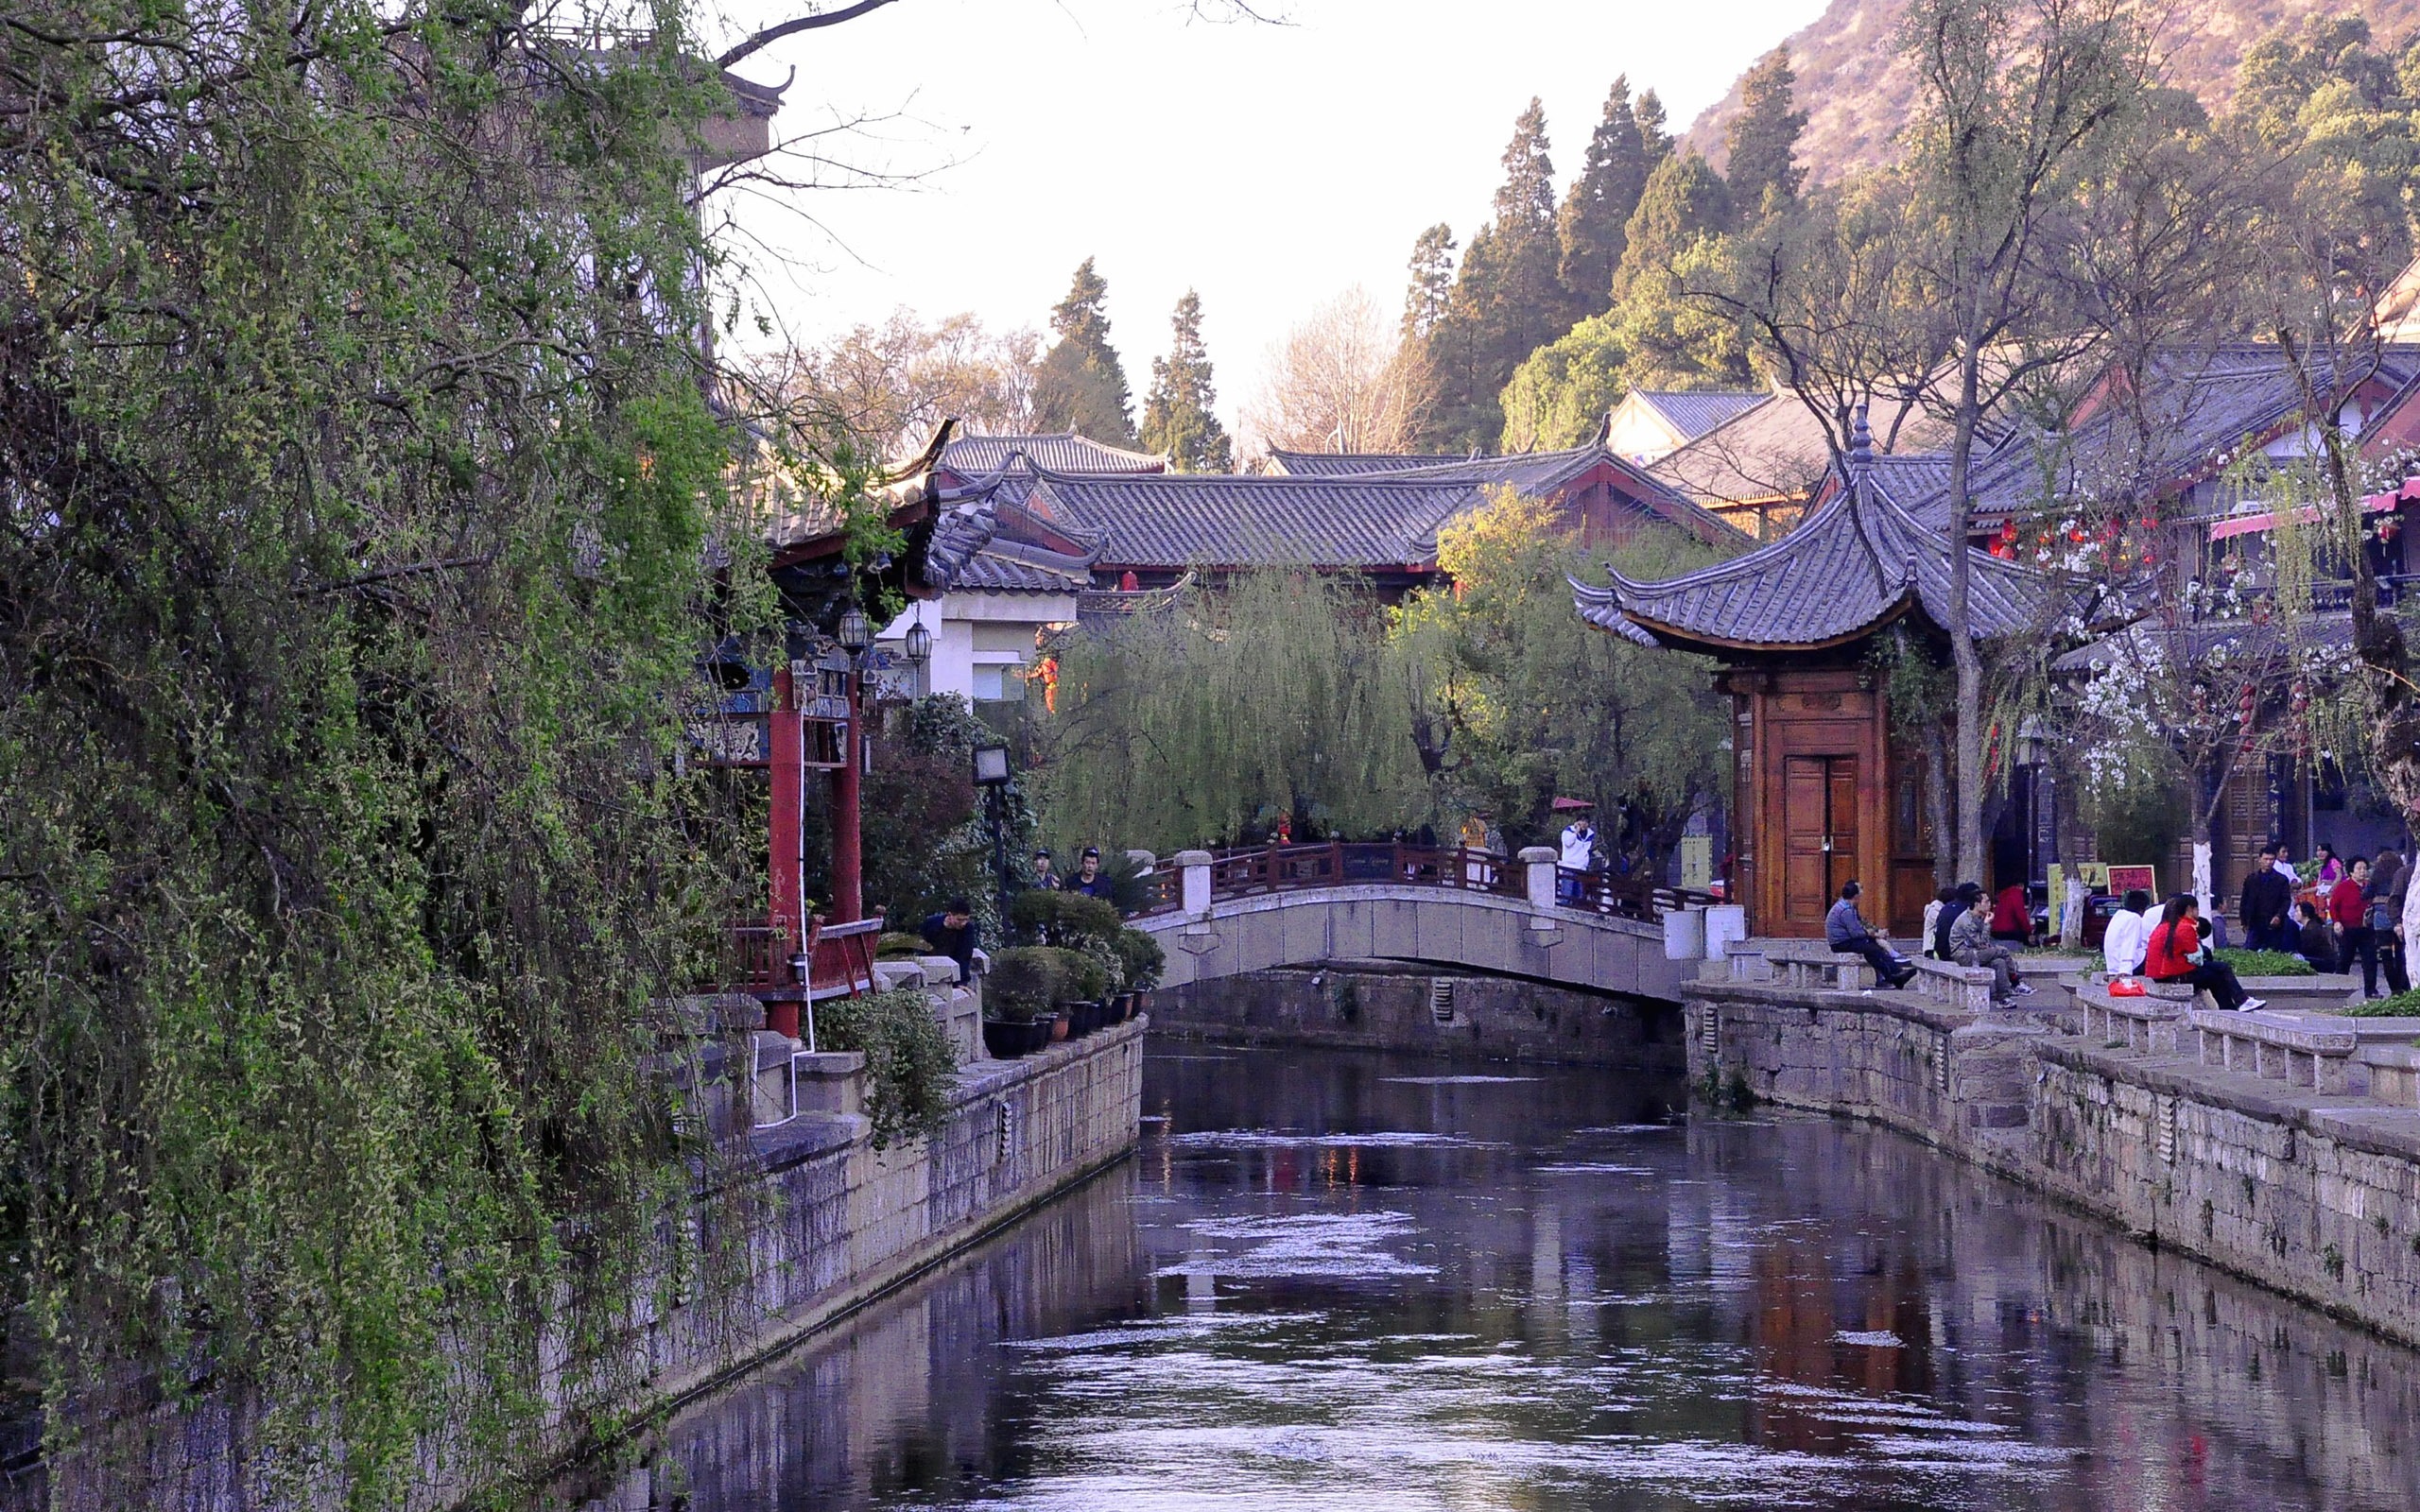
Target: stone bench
[1967,989]
[1816,969]
[2395,1071]
[2153,1024]
[2299,1050]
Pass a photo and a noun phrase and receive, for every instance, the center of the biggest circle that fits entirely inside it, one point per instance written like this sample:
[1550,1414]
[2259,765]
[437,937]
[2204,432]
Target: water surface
[1336,1281]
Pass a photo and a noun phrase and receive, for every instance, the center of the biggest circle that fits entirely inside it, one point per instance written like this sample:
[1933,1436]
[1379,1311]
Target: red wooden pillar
[848,884]
[787,750]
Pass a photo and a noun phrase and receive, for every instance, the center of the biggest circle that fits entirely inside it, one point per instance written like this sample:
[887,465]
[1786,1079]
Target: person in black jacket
[2267,897]
[951,933]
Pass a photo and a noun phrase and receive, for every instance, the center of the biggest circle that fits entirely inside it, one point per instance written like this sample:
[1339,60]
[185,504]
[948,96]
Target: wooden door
[1839,823]
[1806,865]
[1818,837]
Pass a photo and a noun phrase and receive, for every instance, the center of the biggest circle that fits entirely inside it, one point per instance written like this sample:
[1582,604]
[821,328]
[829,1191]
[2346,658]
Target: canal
[1343,1280]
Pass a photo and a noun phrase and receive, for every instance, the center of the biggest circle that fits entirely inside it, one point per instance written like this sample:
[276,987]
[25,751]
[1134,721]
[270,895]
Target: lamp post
[992,776]
[848,869]
[919,650]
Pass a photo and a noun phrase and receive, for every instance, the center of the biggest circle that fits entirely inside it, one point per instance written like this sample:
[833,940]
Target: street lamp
[856,634]
[992,776]
[919,650]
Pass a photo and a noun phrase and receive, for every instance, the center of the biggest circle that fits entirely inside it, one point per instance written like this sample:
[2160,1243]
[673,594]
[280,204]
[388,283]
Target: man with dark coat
[2267,895]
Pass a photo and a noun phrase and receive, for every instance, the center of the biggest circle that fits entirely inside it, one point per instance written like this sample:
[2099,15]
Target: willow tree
[1276,693]
[357,481]
[1524,701]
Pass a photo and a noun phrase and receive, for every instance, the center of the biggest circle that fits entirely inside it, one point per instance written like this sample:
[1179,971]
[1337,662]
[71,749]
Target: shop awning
[2252,524]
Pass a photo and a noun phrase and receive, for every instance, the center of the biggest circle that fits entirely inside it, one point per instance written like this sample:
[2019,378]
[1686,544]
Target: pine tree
[1656,141]
[1590,225]
[1432,281]
[1081,384]
[1177,418]
[1507,300]
[1685,202]
[1763,137]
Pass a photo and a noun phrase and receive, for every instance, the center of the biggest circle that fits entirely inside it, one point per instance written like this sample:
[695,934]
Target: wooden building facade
[1823,791]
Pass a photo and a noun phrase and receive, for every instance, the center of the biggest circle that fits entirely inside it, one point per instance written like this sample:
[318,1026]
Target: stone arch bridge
[1294,906]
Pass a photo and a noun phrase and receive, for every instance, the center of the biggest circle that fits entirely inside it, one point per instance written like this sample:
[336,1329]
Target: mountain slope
[1856,89]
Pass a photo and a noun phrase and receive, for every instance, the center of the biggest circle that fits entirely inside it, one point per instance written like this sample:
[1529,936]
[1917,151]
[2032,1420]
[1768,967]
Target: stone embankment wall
[832,1223]
[2316,1194]
[1388,1005]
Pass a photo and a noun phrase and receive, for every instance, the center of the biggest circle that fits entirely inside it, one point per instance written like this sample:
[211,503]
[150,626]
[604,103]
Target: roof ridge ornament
[1860,446]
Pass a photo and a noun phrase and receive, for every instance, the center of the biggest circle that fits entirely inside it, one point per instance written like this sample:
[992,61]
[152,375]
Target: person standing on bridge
[1579,854]
[1844,930]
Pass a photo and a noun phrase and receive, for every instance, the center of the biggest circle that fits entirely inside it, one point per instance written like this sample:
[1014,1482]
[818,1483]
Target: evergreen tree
[1507,300]
[1432,281]
[1590,227]
[1686,201]
[1656,141]
[1177,418]
[1081,384]
[1763,137]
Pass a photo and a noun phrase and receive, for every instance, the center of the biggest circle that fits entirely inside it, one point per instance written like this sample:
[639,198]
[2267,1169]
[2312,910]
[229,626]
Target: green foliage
[1526,703]
[1278,691]
[2399,1006]
[2138,815]
[924,837]
[1763,137]
[1083,976]
[1140,958]
[1082,386]
[910,1068]
[1590,229]
[1052,917]
[358,487]
[1686,203]
[2265,963]
[1024,982]
[1507,298]
[894,946]
[1177,418]
[1432,287]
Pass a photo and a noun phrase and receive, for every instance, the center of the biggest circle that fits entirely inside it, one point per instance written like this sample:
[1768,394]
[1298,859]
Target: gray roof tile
[1055,452]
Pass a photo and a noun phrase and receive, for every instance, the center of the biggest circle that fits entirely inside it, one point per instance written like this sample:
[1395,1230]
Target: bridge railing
[1256,870]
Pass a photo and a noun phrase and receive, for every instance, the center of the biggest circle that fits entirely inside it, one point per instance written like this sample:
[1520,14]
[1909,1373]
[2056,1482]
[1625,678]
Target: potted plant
[1142,961]
[1017,998]
[1084,986]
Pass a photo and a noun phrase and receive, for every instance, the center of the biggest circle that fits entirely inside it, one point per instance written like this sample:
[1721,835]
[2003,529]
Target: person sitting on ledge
[2175,954]
[1970,944]
[1844,930]
[2121,948]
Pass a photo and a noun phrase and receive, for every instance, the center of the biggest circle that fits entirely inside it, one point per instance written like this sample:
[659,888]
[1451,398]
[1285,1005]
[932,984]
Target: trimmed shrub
[1024,982]
[2401,1005]
[909,1065]
[1063,917]
[893,945]
[1141,957]
[1082,978]
[2266,963]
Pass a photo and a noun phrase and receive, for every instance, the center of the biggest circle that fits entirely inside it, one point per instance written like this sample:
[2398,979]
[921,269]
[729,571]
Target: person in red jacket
[2348,910]
[2175,953]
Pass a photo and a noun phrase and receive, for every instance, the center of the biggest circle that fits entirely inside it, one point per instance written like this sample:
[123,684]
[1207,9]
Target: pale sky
[1271,167]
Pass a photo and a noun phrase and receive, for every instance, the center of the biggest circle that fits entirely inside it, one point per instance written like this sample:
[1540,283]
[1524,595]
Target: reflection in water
[1339,1280]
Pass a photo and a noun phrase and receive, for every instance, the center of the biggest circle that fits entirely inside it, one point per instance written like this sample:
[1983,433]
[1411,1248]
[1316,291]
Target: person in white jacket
[2410,927]
[2130,928]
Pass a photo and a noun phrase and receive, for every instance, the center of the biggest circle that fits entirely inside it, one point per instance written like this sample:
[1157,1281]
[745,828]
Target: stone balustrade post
[1195,864]
[1541,860]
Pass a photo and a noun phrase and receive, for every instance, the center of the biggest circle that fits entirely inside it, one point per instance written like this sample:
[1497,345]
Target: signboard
[737,741]
[1696,862]
[2123,880]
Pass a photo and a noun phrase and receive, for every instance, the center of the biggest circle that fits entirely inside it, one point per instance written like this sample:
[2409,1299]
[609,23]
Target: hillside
[1855,89]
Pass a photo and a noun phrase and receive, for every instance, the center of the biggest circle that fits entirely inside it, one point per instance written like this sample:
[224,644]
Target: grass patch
[2266,963]
[2401,1005]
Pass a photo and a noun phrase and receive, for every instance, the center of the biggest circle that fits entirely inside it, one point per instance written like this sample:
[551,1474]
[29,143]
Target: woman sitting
[2314,940]
[2175,954]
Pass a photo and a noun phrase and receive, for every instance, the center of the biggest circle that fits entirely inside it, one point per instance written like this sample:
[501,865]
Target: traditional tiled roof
[1227,520]
[972,456]
[1015,567]
[1694,413]
[1357,464]
[1773,451]
[1857,562]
